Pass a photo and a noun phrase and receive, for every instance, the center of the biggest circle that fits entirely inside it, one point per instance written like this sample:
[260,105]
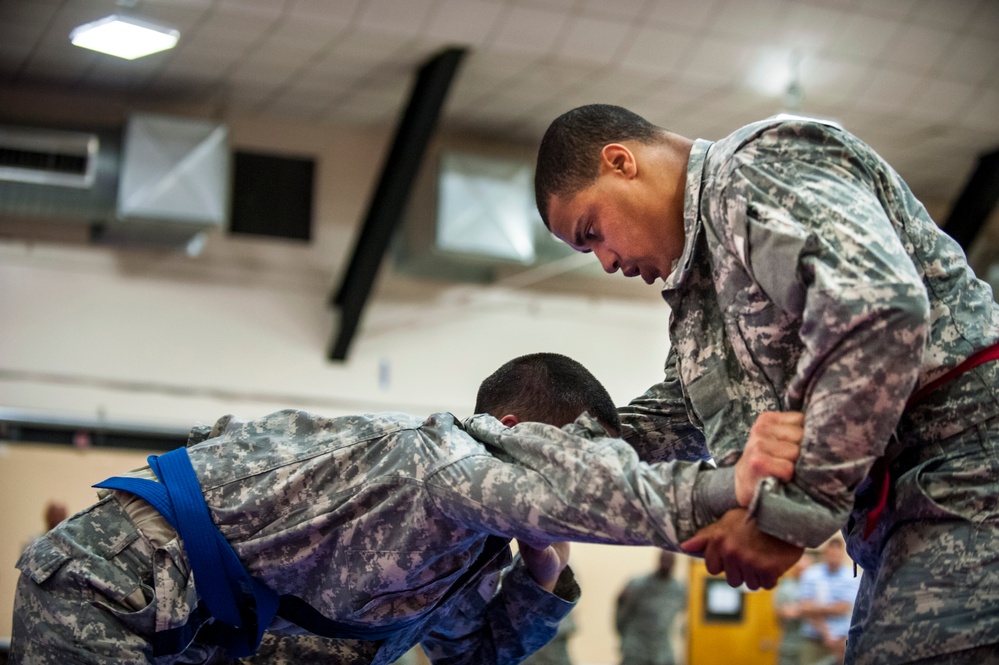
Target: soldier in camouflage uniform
[382,521]
[802,274]
[646,611]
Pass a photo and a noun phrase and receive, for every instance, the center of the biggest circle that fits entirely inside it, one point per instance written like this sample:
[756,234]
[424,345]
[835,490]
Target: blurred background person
[646,611]
[55,512]
[826,595]
[788,610]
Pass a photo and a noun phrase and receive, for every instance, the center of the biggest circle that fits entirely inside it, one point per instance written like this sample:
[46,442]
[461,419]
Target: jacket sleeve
[545,484]
[820,244]
[505,626]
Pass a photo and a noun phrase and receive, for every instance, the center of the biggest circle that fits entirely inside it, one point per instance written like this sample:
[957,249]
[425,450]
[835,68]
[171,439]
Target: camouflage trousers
[930,586]
[89,595]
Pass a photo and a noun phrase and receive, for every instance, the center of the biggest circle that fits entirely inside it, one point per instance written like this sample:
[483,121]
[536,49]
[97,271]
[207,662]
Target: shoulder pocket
[41,559]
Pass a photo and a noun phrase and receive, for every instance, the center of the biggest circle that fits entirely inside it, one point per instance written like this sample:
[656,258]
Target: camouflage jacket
[644,617]
[811,280]
[371,519]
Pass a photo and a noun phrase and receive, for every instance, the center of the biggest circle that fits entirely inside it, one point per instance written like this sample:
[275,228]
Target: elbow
[799,523]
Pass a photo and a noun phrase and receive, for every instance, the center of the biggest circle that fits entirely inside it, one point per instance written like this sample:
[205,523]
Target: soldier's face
[622,220]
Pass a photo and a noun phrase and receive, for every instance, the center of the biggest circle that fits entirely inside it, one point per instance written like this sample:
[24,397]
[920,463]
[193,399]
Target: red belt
[879,472]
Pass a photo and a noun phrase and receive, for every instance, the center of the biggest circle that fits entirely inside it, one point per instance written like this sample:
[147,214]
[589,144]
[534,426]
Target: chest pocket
[708,393]
[767,346]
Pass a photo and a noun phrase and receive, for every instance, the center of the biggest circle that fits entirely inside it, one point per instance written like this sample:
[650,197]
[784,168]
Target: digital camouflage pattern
[644,616]
[813,280]
[370,519]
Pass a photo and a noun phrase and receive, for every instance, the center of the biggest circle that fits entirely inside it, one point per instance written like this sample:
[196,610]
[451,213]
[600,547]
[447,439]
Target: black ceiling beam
[387,205]
[976,202]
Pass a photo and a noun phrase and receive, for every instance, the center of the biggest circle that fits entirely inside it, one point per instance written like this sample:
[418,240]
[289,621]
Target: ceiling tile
[733,16]
[847,6]
[619,10]
[941,100]
[666,105]
[985,21]
[391,16]
[657,51]
[593,41]
[614,86]
[11,59]
[808,28]
[182,17]
[861,38]
[462,21]
[245,98]
[970,59]
[198,60]
[682,13]
[373,106]
[917,48]
[362,49]
[16,41]
[563,6]
[830,80]
[295,106]
[951,14]
[57,68]
[218,31]
[251,75]
[26,15]
[528,30]
[723,60]
[532,88]
[324,11]
[887,88]
[299,33]
[982,114]
[248,15]
[896,10]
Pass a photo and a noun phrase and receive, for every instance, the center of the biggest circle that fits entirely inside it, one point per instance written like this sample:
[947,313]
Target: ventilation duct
[57,174]
[48,158]
[161,182]
[173,184]
[474,213]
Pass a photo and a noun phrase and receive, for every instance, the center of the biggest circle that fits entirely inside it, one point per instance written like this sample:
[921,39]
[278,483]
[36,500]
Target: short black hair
[547,388]
[569,154]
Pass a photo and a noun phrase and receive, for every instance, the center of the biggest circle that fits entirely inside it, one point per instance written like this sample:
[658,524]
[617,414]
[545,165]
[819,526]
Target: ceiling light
[124,36]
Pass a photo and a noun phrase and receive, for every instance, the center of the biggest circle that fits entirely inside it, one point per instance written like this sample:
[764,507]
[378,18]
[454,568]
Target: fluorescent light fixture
[124,36]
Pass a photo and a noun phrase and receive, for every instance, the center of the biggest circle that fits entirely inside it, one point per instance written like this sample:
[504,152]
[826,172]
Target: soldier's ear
[509,420]
[615,157]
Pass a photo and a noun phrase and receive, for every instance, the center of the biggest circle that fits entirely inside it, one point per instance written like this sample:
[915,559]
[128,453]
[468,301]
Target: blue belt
[245,605]
[242,606]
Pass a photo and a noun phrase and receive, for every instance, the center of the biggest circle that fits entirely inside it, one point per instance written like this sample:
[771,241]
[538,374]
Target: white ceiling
[918,79]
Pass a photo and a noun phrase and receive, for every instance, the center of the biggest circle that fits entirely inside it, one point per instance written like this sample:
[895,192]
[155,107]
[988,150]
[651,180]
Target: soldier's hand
[545,565]
[771,450]
[745,554]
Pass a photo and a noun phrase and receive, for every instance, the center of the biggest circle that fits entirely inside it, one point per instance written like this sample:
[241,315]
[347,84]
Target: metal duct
[162,182]
[58,174]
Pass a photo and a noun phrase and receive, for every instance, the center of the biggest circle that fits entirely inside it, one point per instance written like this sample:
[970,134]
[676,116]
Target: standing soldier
[647,609]
[802,274]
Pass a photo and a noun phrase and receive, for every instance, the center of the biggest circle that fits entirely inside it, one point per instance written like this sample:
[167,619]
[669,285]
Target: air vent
[48,157]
